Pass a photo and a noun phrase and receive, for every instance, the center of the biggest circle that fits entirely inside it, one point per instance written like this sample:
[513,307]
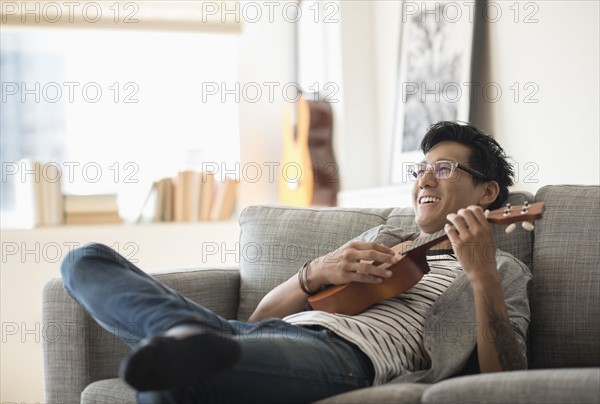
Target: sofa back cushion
[565,296]
[276,240]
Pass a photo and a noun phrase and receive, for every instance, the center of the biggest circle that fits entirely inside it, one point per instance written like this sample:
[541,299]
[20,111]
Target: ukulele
[355,297]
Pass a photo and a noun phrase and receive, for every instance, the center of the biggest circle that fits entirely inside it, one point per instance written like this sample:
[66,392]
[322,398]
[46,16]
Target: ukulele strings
[421,241]
[442,234]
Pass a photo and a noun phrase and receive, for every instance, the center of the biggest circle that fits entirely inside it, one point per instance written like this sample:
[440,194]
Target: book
[165,193]
[148,212]
[187,196]
[207,195]
[51,195]
[26,194]
[225,200]
[38,189]
[38,193]
[93,218]
[90,203]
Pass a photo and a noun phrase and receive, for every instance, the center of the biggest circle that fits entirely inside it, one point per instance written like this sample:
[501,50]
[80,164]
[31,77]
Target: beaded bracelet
[303,278]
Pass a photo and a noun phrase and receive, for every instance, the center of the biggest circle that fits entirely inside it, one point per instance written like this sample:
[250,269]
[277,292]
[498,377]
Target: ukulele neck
[425,243]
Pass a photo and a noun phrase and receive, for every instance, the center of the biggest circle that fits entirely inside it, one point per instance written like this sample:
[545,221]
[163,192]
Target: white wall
[558,54]
[358,131]
[559,135]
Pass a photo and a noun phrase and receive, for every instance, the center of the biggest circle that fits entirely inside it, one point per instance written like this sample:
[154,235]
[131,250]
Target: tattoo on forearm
[507,347]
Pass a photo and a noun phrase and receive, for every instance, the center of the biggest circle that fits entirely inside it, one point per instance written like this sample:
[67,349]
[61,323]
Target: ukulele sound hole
[292,185]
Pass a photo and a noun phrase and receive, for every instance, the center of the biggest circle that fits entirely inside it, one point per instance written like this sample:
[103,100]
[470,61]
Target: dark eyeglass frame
[453,164]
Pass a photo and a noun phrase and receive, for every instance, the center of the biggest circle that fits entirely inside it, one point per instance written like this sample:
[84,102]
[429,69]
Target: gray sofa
[564,335]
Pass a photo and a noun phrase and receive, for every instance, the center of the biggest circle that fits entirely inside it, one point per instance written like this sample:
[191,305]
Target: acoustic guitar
[355,297]
[309,174]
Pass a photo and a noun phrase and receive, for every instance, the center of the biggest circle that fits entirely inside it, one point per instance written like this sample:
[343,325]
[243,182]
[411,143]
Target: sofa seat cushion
[576,385]
[400,393]
[113,391]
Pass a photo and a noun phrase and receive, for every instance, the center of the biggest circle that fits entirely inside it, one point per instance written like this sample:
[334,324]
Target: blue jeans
[280,362]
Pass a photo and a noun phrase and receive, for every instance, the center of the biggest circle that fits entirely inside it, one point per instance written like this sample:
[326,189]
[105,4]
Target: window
[115,110]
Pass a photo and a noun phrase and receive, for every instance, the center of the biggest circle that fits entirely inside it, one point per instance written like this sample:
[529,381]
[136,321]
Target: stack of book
[190,196]
[91,209]
[41,201]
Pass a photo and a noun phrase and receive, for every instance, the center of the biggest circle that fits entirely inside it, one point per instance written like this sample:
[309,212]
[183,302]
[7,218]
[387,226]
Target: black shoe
[163,363]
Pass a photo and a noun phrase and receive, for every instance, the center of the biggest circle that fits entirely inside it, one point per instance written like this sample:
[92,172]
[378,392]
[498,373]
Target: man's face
[445,196]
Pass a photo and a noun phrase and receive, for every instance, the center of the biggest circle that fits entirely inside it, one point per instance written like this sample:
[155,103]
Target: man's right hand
[356,261]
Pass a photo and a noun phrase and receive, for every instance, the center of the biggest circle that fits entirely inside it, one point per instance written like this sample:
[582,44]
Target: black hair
[487,156]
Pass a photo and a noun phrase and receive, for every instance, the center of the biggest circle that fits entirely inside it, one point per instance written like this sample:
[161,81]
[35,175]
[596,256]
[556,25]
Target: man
[469,313]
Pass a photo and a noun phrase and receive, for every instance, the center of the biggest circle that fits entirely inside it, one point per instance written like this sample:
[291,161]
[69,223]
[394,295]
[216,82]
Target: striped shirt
[391,332]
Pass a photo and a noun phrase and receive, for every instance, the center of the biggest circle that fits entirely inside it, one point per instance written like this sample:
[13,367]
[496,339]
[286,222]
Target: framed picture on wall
[434,76]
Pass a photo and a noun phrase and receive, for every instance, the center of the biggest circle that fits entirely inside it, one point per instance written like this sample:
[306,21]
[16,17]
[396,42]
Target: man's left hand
[472,240]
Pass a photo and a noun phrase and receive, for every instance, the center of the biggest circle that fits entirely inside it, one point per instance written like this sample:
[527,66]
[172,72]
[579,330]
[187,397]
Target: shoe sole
[163,363]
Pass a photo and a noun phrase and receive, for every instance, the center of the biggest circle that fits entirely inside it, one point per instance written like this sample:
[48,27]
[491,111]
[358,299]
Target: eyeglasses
[442,170]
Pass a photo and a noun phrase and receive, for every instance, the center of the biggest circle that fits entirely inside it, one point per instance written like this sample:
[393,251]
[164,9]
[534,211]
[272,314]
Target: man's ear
[491,189]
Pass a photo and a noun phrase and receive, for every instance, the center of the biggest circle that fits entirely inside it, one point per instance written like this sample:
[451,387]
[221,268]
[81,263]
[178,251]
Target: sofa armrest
[77,351]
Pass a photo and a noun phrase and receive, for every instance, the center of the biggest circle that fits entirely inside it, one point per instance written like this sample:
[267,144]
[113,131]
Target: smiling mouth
[428,199]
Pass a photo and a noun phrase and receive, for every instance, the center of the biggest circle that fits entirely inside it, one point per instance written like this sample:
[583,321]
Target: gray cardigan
[450,329]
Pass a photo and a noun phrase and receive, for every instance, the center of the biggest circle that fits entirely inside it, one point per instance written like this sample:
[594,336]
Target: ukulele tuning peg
[510,228]
[528,226]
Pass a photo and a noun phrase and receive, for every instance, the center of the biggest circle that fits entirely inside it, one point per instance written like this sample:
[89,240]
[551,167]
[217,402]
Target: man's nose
[428,179]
